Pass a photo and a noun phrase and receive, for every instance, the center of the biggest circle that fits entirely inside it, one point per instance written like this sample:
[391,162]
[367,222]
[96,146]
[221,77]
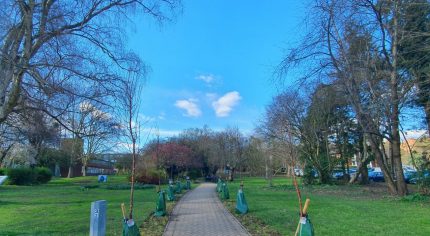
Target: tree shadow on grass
[17,203]
[4,203]
[45,232]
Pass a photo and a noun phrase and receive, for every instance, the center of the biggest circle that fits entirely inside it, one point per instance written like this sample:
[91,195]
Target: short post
[98,218]
[3,178]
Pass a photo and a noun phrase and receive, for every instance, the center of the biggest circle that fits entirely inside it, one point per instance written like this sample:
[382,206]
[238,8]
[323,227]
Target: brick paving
[201,213]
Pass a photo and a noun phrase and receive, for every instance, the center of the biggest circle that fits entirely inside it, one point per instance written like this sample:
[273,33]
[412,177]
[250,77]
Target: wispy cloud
[162,116]
[211,96]
[224,105]
[169,133]
[414,134]
[206,78]
[154,132]
[145,119]
[190,106]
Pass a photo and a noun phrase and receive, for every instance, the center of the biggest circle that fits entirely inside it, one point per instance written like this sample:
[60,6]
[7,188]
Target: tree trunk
[374,144]
[133,169]
[396,157]
[402,188]
[70,173]
[232,174]
[324,177]
[84,169]
[364,172]
[269,171]
[363,161]
[57,172]
[290,171]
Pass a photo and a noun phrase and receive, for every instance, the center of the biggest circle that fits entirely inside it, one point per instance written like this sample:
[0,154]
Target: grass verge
[334,209]
[62,207]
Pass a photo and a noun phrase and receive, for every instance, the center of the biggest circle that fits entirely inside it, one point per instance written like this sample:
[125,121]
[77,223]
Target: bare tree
[231,147]
[49,48]
[130,102]
[355,44]
[97,129]
[254,153]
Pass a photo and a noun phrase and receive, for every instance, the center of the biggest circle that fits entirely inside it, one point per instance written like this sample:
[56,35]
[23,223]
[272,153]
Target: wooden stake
[305,208]
[123,210]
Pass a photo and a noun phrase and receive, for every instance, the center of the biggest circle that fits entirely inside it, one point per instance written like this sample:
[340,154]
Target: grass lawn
[61,207]
[334,210]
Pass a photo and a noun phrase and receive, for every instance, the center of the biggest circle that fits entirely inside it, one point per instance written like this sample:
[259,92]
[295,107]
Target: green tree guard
[188,185]
[219,185]
[171,193]
[178,187]
[241,205]
[160,209]
[305,227]
[129,228]
[224,193]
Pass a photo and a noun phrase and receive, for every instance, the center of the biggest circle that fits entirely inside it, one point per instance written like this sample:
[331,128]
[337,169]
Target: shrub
[308,174]
[3,171]
[424,185]
[22,176]
[43,175]
[415,198]
[29,176]
[150,176]
[194,174]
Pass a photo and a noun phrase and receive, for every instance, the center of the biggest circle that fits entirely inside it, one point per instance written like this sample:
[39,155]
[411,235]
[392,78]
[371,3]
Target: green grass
[61,207]
[334,210]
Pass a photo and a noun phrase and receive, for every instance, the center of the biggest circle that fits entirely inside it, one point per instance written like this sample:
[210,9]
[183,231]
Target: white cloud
[190,106]
[169,133]
[88,108]
[206,78]
[224,105]
[154,132]
[125,146]
[414,134]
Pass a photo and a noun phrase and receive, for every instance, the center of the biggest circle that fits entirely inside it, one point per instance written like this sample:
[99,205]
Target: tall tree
[414,51]
[356,43]
[49,48]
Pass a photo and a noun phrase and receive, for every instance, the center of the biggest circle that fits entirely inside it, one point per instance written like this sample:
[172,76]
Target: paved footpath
[201,213]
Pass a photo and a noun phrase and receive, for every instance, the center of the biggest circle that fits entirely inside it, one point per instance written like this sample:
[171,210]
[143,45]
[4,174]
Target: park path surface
[200,212]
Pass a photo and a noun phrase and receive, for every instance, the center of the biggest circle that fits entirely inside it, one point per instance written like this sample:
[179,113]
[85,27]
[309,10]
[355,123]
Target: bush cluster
[150,176]
[194,174]
[424,185]
[29,176]
[43,175]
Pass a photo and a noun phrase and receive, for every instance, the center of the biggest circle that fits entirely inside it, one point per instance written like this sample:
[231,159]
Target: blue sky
[213,64]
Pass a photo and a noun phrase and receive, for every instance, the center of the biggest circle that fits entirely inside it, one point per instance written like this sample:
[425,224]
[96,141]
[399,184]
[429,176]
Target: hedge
[29,176]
